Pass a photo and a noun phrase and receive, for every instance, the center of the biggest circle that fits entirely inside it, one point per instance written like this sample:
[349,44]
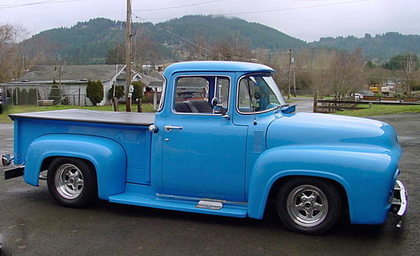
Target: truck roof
[91,116]
[217,66]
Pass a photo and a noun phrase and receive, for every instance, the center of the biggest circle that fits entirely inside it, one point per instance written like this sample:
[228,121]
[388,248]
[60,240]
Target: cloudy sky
[305,19]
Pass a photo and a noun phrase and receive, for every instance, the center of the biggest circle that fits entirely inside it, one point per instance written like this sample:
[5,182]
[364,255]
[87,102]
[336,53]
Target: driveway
[32,224]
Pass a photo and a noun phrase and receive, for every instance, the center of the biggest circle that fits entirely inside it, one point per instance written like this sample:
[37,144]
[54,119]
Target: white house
[70,82]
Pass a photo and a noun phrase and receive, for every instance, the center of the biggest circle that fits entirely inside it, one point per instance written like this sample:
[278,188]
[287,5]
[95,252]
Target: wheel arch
[259,200]
[107,157]
[282,180]
[48,160]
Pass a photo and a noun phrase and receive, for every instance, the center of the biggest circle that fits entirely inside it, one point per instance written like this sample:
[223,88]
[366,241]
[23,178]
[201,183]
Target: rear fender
[107,156]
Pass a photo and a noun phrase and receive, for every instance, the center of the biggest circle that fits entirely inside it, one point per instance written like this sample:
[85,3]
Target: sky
[308,20]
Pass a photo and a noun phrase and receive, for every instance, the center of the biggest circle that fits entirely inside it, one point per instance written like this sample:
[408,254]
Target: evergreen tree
[95,91]
[119,92]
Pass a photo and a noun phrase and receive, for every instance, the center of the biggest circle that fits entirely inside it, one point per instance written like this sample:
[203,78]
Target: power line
[38,3]
[180,37]
[177,7]
[295,8]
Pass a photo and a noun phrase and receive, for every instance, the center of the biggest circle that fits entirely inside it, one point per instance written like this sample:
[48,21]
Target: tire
[72,182]
[308,205]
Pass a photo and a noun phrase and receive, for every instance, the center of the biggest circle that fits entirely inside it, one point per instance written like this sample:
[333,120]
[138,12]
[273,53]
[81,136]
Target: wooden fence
[331,106]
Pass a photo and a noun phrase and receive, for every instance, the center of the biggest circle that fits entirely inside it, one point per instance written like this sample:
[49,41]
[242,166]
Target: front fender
[107,156]
[360,171]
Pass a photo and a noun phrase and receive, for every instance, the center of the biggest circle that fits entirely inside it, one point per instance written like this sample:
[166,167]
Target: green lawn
[380,110]
[24,109]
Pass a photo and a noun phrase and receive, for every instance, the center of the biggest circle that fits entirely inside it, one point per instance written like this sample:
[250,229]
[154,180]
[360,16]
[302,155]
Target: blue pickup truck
[222,142]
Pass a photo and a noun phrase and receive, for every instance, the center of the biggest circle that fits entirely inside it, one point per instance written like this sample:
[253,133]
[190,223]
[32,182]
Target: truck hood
[310,129]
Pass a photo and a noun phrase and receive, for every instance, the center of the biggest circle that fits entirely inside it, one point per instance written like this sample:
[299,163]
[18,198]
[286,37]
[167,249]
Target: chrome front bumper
[399,202]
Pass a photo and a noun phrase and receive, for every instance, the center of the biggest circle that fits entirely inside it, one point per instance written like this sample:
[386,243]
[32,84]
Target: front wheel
[308,205]
[72,182]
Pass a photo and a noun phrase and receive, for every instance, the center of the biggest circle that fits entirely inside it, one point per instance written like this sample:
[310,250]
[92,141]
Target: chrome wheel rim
[69,181]
[307,205]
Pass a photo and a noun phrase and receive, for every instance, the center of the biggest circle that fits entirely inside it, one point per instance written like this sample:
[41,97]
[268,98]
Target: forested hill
[90,42]
[380,47]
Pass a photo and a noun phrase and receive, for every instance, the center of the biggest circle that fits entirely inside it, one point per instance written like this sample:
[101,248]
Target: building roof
[71,73]
[151,81]
[226,66]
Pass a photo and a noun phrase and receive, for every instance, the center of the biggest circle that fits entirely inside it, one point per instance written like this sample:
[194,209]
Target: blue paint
[235,158]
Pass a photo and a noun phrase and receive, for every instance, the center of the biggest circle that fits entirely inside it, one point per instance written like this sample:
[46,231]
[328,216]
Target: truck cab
[223,142]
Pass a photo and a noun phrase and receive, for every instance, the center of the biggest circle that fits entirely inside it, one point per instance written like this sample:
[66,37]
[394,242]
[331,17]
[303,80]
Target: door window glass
[196,94]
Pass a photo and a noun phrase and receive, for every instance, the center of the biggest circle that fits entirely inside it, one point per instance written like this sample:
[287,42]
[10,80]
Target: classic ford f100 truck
[222,142]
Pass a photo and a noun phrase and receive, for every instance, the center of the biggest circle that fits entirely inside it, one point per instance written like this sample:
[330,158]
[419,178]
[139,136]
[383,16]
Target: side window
[256,95]
[195,94]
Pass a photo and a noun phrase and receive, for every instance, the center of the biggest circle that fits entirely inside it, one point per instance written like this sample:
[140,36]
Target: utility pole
[290,73]
[409,74]
[128,58]
[294,80]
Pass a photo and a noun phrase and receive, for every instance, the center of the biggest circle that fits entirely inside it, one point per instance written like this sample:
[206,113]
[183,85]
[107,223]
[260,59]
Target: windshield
[258,93]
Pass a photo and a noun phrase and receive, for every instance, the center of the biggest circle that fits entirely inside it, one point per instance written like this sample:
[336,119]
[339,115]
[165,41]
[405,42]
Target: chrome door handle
[168,128]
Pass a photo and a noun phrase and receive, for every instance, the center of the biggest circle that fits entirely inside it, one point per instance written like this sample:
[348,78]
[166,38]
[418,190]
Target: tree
[138,90]
[144,49]
[55,94]
[370,65]
[119,92]
[116,55]
[402,62]
[346,73]
[12,59]
[95,91]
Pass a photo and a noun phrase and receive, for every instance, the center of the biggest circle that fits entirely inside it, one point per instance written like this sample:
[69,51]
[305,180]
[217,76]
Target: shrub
[119,92]
[55,94]
[95,91]
[138,90]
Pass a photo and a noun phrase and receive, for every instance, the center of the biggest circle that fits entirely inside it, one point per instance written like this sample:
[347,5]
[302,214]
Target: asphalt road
[31,223]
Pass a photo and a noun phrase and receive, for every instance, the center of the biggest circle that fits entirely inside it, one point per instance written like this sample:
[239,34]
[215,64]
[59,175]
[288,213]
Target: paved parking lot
[32,224]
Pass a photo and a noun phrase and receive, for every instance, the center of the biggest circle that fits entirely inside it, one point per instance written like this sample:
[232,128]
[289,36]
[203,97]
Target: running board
[202,206]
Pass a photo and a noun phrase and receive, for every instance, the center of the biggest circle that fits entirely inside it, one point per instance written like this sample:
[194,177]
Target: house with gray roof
[67,84]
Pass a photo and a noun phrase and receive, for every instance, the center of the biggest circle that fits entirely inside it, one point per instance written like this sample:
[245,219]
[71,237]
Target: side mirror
[219,110]
[214,102]
[288,109]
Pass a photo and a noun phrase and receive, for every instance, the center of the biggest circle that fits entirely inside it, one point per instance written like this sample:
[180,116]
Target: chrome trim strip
[187,198]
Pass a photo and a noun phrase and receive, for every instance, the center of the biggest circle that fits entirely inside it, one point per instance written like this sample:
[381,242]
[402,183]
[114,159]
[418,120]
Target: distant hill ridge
[89,42]
[378,47]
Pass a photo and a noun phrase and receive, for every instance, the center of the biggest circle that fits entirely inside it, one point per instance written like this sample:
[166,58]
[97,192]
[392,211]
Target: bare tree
[8,52]
[13,61]
[144,49]
[346,73]
[199,49]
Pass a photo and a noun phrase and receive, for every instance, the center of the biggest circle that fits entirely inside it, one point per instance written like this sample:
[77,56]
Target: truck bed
[91,116]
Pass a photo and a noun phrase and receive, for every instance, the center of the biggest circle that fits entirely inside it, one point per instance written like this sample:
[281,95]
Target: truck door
[203,152]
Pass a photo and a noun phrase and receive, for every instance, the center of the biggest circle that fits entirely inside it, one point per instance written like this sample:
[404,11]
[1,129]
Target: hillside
[379,47]
[89,42]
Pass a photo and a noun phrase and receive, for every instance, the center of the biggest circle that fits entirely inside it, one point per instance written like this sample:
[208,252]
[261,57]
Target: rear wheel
[309,205]
[72,182]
